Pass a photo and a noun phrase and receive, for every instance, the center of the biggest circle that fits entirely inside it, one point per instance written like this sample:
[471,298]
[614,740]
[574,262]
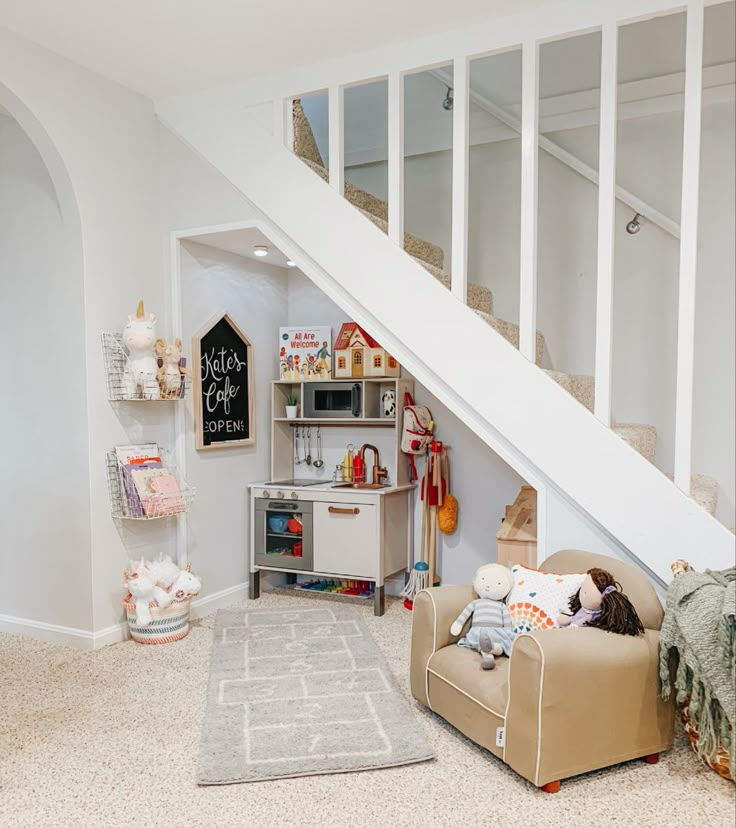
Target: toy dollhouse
[357,354]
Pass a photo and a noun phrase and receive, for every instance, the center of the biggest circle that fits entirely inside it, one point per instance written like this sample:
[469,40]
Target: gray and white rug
[298,693]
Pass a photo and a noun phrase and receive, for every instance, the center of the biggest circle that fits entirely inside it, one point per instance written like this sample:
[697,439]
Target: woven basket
[720,764]
[170,624]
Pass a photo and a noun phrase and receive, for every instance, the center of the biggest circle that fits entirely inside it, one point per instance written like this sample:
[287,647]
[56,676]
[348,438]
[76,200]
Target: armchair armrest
[433,613]
[581,699]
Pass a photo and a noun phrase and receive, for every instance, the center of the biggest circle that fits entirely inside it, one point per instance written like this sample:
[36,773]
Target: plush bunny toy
[490,632]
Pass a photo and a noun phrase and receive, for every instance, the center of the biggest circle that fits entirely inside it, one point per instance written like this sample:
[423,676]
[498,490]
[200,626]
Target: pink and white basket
[169,624]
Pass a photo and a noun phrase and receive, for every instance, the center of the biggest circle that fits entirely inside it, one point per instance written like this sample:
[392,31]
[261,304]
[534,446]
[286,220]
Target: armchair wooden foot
[652,759]
[552,787]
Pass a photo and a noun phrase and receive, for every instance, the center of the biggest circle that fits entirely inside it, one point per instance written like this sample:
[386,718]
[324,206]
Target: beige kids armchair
[566,701]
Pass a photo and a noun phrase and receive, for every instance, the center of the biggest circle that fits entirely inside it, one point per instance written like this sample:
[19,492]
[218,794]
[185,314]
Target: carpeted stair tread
[641,437]
[305,147]
[704,491]
[580,386]
[479,297]
[357,197]
[510,332]
[418,248]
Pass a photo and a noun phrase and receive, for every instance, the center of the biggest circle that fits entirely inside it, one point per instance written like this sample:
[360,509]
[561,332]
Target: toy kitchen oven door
[283,534]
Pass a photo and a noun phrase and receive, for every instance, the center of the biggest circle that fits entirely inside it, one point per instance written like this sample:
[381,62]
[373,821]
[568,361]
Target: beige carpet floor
[110,738]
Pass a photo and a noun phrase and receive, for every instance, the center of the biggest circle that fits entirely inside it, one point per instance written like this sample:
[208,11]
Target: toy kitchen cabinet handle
[336,510]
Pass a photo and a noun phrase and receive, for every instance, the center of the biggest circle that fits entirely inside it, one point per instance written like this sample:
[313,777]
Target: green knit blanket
[699,635]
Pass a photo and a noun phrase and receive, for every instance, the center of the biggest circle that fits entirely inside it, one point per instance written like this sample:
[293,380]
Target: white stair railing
[609,24]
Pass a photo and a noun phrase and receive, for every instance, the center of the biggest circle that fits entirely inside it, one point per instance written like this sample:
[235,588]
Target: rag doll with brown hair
[600,603]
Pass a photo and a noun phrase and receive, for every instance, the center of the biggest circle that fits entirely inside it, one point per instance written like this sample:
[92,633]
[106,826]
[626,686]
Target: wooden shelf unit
[282,445]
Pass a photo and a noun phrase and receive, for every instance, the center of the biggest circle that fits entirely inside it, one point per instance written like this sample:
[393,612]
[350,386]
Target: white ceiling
[166,47]
[242,242]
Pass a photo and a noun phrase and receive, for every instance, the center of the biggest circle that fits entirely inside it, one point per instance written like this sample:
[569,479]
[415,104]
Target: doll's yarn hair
[617,612]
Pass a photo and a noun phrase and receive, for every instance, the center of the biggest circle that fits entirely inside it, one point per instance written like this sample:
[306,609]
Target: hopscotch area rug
[298,693]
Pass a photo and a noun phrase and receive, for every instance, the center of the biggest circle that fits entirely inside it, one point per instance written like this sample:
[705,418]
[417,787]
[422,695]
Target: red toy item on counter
[358,469]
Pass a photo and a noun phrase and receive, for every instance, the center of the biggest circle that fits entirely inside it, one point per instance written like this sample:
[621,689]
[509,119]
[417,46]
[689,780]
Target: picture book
[305,353]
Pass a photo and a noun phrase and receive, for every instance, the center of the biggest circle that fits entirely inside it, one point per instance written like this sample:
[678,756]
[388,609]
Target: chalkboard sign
[223,385]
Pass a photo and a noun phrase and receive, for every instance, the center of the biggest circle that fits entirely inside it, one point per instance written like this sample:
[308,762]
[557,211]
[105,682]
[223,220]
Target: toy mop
[432,494]
[419,578]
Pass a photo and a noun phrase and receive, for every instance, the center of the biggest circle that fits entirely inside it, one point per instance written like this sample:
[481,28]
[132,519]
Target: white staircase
[539,427]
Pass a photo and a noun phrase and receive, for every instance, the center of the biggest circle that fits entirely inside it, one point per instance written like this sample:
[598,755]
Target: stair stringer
[525,417]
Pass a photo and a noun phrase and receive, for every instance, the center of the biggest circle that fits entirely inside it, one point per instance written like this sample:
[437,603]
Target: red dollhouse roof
[346,332]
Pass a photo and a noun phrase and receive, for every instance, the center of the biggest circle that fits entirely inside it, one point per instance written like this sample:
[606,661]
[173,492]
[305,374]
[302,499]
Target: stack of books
[148,488]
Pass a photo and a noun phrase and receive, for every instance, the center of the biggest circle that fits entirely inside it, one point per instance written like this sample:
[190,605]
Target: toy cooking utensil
[308,458]
[318,463]
[297,461]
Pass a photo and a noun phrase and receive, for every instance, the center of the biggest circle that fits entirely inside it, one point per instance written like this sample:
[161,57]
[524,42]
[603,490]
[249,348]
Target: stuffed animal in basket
[164,572]
[171,373]
[600,603]
[139,336]
[490,632]
[141,583]
[185,584]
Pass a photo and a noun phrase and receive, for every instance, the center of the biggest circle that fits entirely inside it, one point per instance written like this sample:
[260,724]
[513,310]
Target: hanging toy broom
[419,577]
[447,514]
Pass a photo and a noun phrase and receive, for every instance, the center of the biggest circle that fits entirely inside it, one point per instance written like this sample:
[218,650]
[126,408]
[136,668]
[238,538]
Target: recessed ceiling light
[289,263]
[260,250]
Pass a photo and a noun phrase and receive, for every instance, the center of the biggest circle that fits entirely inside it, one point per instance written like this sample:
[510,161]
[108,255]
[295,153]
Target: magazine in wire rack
[144,485]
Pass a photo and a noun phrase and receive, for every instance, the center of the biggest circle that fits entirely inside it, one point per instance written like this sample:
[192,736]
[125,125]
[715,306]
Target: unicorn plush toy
[139,337]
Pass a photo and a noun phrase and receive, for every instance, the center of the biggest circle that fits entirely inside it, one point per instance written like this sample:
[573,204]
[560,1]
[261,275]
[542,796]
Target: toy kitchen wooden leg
[379,600]
[254,585]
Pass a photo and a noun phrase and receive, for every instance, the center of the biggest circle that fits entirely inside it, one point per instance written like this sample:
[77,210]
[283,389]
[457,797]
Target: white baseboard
[216,600]
[89,640]
[53,633]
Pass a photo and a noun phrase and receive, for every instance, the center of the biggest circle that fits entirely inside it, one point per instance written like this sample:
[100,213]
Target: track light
[633,227]
[448,103]
[260,250]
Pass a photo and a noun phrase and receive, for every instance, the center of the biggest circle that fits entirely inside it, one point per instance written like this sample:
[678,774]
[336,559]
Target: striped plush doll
[490,632]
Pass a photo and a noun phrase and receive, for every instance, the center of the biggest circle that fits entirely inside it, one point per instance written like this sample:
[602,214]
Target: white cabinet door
[346,539]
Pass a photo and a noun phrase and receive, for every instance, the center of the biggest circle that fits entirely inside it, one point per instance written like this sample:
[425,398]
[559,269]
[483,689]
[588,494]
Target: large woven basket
[169,624]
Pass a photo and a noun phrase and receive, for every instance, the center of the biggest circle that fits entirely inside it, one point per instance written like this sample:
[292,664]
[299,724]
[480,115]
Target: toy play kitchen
[336,514]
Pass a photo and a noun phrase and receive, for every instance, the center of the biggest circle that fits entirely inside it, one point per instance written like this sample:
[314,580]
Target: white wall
[645,302]
[104,142]
[255,296]
[44,477]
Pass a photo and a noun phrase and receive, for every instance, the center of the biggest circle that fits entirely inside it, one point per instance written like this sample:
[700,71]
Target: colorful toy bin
[167,625]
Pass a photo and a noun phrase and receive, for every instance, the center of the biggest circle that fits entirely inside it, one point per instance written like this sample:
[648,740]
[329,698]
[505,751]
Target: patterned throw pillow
[537,598]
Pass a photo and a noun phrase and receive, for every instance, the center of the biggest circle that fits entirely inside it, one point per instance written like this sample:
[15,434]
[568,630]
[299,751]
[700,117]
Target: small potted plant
[292,403]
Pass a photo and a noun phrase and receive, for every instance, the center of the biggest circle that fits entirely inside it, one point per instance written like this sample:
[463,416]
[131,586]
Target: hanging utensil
[318,463]
[308,458]
[297,458]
